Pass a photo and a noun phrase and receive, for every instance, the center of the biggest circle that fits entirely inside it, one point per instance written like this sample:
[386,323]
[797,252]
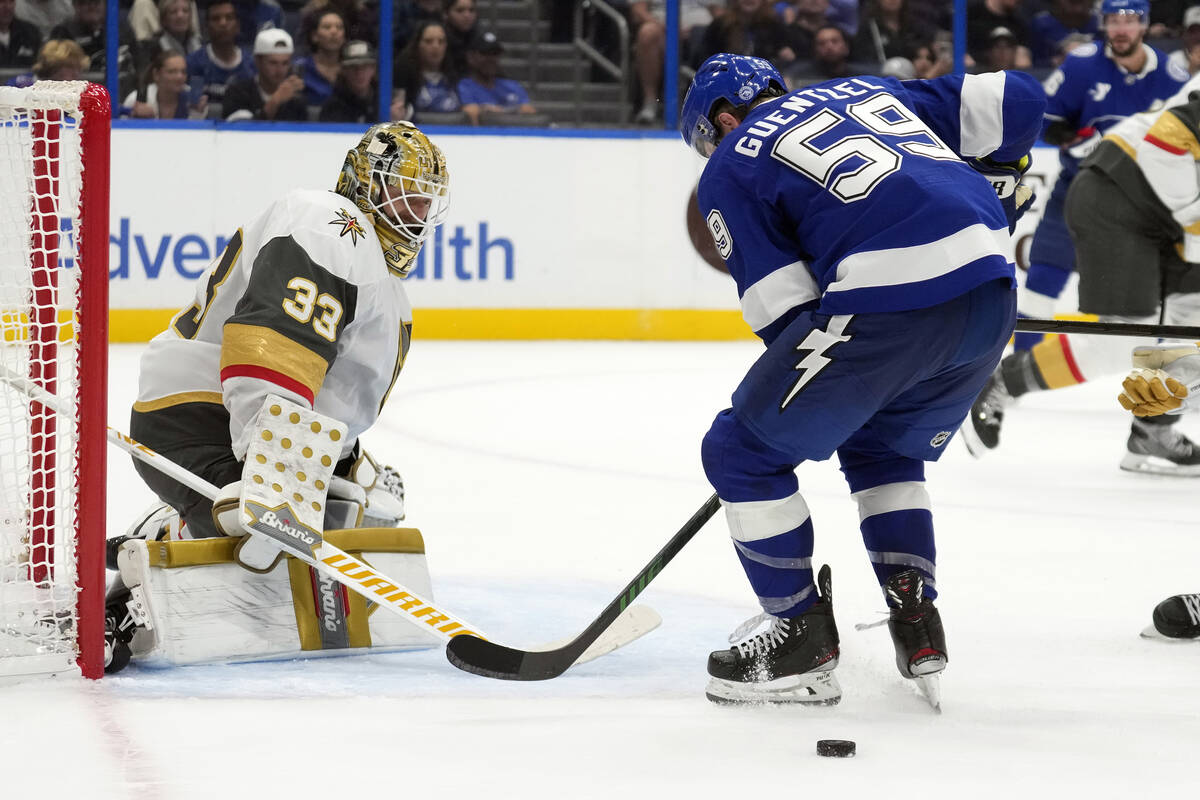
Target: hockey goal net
[54,162]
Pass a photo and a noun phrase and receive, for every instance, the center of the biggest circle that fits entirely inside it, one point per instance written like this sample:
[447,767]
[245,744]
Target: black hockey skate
[916,629]
[1156,447]
[791,662]
[118,632]
[981,431]
[1176,617]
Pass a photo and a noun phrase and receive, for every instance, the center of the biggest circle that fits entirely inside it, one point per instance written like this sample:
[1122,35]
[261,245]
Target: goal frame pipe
[91,244]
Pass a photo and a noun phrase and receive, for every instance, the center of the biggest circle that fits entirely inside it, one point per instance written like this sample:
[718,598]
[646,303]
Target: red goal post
[54,189]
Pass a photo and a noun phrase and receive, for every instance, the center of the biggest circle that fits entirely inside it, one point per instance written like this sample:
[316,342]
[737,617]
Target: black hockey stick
[1106,328]
[491,660]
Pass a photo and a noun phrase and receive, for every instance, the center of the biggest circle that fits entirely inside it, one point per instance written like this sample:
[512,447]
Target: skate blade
[809,689]
[1153,465]
[971,440]
[1152,632]
[931,688]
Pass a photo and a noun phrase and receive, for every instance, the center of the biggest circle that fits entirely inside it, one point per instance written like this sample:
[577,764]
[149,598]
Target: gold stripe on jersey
[1125,146]
[256,346]
[1173,131]
[177,400]
[401,355]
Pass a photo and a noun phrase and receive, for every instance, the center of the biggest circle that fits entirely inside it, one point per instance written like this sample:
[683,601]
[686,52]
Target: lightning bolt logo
[813,358]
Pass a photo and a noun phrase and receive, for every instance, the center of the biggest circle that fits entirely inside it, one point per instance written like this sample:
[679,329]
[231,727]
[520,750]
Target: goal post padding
[54,189]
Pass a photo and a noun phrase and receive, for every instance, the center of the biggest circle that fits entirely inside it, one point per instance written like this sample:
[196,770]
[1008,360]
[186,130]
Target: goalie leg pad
[201,607]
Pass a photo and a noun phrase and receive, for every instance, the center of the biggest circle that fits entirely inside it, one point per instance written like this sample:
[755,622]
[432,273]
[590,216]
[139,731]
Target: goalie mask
[398,177]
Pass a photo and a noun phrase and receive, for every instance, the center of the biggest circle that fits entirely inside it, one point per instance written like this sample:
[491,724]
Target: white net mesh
[40,179]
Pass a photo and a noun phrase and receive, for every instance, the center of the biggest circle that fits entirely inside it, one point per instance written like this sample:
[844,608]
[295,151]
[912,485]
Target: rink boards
[559,235]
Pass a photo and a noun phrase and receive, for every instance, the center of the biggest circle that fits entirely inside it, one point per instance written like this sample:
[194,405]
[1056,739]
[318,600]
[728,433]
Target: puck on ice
[836,748]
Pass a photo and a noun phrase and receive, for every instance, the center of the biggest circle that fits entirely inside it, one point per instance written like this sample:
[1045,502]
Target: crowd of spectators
[281,60]
[317,59]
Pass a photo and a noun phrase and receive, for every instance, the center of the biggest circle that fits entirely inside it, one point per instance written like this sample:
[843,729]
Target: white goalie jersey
[301,304]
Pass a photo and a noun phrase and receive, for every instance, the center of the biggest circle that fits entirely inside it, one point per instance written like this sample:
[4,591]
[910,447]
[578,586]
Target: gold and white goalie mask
[399,178]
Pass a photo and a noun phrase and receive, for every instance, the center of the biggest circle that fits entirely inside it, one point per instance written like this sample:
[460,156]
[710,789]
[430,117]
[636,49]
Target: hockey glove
[1015,196]
[1163,378]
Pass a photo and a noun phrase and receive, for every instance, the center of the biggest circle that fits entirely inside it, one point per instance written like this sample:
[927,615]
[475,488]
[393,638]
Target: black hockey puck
[836,748]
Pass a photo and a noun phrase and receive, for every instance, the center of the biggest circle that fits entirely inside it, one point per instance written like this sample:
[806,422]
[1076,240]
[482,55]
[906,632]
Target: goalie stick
[478,656]
[339,565]
[1107,328]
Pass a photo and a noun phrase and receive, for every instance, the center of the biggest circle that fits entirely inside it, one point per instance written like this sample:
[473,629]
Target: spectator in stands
[843,13]
[58,60]
[483,90]
[647,22]
[145,21]
[412,13]
[177,34]
[749,27]
[355,95]
[46,15]
[276,93]
[221,60]
[807,18]
[19,40]
[424,74]
[1001,52]
[325,32]
[831,59]
[926,63]
[462,24]
[1050,27]
[164,91]
[888,30]
[985,16]
[1188,56]
[359,18]
[86,27]
[254,16]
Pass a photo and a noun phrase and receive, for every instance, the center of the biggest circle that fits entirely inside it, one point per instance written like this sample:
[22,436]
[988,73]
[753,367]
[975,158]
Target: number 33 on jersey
[852,195]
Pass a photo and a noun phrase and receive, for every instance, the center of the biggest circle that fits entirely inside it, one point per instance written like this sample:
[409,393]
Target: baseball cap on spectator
[1002,32]
[273,41]
[1191,17]
[486,42]
[357,52]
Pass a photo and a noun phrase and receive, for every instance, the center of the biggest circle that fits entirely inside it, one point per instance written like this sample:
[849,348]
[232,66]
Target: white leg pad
[203,608]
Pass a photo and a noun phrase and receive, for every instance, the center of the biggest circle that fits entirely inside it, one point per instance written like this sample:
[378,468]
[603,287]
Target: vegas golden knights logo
[350,225]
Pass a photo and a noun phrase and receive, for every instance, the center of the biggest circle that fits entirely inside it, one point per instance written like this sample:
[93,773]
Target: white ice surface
[544,475]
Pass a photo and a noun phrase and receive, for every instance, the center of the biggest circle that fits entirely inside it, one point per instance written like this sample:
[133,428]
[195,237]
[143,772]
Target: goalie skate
[1159,449]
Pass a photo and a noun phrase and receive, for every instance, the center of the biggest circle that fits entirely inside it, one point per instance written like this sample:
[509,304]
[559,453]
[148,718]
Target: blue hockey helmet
[725,76]
[1139,7]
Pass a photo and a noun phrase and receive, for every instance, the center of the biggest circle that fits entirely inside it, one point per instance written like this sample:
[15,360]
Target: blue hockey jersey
[851,196]
[1092,92]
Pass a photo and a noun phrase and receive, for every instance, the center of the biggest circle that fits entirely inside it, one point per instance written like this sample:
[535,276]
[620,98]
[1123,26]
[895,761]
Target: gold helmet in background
[397,177]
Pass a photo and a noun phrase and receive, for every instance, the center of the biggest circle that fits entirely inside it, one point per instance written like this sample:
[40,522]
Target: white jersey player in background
[305,303]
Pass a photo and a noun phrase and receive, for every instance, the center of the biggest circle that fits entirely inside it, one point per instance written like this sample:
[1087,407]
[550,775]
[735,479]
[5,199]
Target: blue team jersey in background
[851,196]
[1090,90]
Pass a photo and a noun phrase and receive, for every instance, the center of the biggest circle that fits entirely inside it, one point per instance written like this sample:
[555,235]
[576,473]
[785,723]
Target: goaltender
[306,304]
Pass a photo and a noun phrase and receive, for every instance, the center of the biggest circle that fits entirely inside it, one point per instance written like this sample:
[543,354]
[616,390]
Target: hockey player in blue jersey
[1096,87]
[869,256]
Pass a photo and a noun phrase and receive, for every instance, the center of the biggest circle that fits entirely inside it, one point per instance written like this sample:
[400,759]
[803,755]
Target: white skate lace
[764,641]
[1191,603]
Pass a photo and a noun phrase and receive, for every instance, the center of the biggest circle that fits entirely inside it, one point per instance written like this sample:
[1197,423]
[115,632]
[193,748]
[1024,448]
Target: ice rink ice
[543,476]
